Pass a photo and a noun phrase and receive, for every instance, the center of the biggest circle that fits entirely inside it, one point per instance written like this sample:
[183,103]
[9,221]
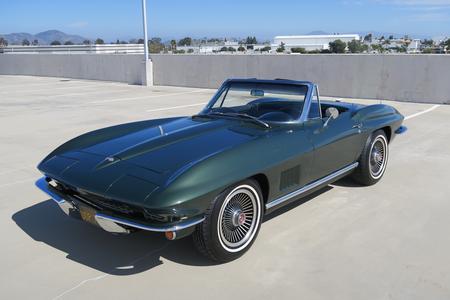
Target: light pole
[144,21]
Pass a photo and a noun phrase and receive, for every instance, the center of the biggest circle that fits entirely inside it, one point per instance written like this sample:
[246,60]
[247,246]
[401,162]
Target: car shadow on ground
[95,248]
[347,182]
[115,254]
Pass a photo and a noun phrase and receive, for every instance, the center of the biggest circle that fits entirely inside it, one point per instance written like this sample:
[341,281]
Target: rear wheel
[231,223]
[373,161]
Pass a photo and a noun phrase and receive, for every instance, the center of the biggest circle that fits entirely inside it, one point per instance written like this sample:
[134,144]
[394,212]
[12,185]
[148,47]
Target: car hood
[146,159]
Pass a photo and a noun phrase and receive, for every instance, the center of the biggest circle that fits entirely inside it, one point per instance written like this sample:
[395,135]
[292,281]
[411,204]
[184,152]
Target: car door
[336,145]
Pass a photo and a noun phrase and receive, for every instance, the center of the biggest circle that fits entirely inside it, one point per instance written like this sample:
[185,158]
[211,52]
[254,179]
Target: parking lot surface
[388,241]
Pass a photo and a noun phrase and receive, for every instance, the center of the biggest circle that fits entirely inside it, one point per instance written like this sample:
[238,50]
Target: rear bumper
[110,223]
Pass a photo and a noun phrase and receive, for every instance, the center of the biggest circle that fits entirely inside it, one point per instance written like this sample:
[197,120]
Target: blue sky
[112,19]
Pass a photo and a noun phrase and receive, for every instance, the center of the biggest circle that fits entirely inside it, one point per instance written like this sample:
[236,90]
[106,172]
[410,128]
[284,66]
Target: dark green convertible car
[256,146]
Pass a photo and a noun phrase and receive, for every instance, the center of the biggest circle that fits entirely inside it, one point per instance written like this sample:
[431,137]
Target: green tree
[173,45]
[155,45]
[241,48]
[251,40]
[213,40]
[68,43]
[3,42]
[401,49]
[356,46]
[368,38]
[231,49]
[55,43]
[25,42]
[35,42]
[187,41]
[447,44]
[378,48]
[282,48]
[190,50]
[223,49]
[298,50]
[391,37]
[265,49]
[337,46]
[99,41]
[86,42]
[428,43]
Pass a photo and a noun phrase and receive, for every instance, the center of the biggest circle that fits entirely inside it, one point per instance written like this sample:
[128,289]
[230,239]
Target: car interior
[277,110]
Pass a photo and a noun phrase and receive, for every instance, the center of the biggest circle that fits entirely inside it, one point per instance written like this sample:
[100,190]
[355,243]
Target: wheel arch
[388,131]
[263,182]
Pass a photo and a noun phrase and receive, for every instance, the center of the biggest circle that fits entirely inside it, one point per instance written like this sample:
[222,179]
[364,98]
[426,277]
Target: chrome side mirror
[331,113]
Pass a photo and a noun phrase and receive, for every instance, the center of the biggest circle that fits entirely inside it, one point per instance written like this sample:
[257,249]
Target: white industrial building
[414,46]
[312,42]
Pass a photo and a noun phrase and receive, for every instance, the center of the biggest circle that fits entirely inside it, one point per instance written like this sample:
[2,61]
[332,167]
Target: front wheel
[231,223]
[373,161]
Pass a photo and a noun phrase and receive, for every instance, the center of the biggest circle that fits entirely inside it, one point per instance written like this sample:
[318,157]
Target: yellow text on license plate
[87,214]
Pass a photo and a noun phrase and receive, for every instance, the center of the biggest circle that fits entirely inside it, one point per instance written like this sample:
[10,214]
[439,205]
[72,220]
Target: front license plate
[87,214]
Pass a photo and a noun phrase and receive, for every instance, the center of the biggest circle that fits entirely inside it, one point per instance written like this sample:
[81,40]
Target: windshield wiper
[254,119]
[241,115]
[234,115]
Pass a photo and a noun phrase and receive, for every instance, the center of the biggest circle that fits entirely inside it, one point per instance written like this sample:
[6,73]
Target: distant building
[414,46]
[209,48]
[312,42]
[78,49]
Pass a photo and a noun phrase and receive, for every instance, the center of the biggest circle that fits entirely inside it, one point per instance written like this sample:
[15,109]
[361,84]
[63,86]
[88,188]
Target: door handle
[357,126]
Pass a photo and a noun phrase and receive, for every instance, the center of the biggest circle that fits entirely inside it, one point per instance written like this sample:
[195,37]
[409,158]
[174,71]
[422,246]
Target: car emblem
[110,159]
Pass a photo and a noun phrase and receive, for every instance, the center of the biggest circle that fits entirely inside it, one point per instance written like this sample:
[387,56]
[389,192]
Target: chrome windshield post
[307,104]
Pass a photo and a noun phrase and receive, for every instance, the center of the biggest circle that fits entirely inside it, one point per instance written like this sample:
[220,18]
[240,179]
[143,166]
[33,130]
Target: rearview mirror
[257,93]
[331,113]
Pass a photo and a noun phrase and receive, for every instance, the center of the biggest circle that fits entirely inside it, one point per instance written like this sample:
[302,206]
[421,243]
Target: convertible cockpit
[270,103]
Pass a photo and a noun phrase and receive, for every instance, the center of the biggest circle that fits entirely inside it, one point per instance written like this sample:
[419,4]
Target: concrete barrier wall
[114,67]
[418,78]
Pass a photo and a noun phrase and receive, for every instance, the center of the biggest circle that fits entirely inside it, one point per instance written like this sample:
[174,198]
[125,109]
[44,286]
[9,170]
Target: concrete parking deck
[388,241]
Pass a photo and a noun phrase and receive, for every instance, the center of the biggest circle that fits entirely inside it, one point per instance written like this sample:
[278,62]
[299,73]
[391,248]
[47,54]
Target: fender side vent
[290,177]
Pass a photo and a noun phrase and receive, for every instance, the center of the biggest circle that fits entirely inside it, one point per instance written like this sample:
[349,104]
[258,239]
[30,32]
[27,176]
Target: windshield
[263,101]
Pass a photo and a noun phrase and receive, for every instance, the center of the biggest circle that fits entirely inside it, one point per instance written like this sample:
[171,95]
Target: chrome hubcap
[378,157]
[238,218]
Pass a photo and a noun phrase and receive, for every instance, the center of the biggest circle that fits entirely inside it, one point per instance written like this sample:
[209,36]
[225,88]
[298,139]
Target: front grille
[110,205]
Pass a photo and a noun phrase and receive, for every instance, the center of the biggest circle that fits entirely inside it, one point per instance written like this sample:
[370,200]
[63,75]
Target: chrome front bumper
[110,223]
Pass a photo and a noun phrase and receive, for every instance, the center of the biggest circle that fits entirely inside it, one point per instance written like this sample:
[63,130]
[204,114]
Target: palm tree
[173,45]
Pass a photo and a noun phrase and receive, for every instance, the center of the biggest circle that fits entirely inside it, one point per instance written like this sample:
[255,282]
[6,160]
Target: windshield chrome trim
[306,105]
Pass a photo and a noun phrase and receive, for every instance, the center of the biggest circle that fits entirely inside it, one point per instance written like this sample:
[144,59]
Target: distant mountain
[44,38]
